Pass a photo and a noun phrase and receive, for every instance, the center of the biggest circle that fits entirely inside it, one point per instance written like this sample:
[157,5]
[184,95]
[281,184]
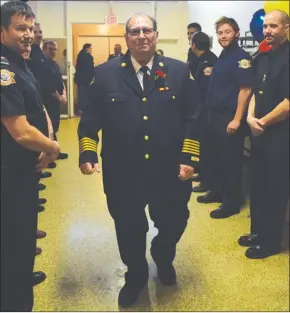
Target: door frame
[75,29]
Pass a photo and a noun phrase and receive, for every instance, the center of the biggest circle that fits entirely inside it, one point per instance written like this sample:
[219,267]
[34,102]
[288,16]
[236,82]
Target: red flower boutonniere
[159,74]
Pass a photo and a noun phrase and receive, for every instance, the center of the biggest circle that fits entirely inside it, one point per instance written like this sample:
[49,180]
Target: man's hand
[233,127]
[256,125]
[186,172]
[57,151]
[89,168]
[43,161]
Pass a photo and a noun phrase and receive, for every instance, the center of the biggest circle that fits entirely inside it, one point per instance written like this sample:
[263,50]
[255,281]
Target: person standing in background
[160,52]
[191,57]
[117,52]
[53,100]
[230,88]
[268,118]
[25,149]
[84,75]
[206,61]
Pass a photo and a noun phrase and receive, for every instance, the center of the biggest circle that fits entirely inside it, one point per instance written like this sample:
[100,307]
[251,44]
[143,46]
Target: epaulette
[4,61]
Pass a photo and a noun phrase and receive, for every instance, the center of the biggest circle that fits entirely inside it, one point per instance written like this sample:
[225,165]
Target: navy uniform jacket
[206,62]
[42,70]
[114,56]
[192,61]
[20,95]
[232,71]
[145,135]
[272,83]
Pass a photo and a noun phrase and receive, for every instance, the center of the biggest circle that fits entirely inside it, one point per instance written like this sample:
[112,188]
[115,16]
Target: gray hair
[153,20]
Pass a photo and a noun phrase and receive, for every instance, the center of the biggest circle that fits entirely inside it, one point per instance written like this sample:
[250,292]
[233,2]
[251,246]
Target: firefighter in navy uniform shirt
[268,118]
[229,93]
[206,61]
[192,60]
[146,106]
[25,148]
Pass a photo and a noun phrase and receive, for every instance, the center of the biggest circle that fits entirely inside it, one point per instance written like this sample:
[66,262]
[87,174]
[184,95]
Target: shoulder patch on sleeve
[7,78]
[4,61]
[244,63]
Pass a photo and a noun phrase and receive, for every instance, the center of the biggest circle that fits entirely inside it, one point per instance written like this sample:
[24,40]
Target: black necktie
[145,70]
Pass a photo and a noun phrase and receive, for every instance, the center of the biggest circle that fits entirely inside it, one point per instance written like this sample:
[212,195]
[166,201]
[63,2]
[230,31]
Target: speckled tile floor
[84,271]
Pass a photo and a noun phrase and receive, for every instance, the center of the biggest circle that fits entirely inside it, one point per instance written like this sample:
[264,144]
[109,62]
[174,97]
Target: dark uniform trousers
[53,109]
[18,238]
[270,184]
[169,214]
[224,174]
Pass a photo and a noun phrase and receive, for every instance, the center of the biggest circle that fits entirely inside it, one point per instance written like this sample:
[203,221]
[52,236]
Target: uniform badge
[161,64]
[123,64]
[207,71]
[245,63]
[7,78]
[4,61]
[191,77]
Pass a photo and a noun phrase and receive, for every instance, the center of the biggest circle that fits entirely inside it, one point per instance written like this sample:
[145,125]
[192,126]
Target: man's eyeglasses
[137,31]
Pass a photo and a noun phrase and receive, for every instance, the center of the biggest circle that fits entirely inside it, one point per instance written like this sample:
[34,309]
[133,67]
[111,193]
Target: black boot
[248,240]
[210,197]
[223,212]
[38,278]
[129,294]
[262,251]
[45,174]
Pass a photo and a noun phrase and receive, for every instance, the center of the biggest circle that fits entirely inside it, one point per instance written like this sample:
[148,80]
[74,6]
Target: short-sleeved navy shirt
[20,95]
[272,81]
[232,71]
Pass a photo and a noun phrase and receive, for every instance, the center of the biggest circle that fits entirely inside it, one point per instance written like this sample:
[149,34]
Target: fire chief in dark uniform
[24,149]
[146,106]
[268,118]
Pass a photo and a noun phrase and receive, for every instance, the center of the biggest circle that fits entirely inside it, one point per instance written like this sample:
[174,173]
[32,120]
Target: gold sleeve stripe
[195,159]
[190,151]
[88,140]
[186,145]
[89,149]
[88,146]
[85,148]
[192,144]
[191,141]
[193,151]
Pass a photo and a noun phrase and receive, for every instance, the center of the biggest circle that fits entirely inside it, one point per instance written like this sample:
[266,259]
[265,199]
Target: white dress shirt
[138,72]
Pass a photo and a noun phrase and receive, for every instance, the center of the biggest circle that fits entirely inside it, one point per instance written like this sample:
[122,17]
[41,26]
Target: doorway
[103,38]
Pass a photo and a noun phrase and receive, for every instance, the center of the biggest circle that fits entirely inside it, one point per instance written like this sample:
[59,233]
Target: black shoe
[52,165]
[41,187]
[196,178]
[210,197]
[261,251]
[248,240]
[38,278]
[62,156]
[45,174]
[42,201]
[223,212]
[129,295]
[167,275]
[38,251]
[40,209]
[199,188]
